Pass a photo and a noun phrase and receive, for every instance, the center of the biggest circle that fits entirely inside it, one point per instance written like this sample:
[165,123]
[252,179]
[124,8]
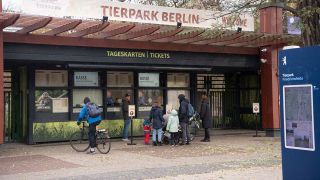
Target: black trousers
[92,134]
[174,139]
[206,133]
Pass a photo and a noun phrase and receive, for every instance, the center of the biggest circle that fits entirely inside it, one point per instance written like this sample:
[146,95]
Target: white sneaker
[126,139]
[91,151]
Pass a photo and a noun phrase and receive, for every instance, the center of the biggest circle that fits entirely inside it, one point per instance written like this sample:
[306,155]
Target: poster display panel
[149,80]
[51,78]
[86,79]
[298,117]
[55,101]
[178,80]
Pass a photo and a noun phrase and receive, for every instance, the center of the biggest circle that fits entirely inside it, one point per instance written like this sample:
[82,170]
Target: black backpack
[93,110]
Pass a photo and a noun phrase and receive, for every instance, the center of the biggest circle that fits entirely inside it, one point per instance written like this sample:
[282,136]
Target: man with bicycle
[91,112]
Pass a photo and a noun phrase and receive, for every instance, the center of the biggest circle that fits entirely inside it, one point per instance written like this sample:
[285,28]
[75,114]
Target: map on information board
[298,117]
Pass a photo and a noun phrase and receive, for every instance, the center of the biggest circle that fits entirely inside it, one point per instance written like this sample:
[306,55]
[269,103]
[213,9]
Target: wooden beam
[160,35]
[37,25]
[23,20]
[63,28]
[89,30]
[116,31]
[197,39]
[244,38]
[265,38]
[225,37]
[180,37]
[9,20]
[270,43]
[107,43]
[136,34]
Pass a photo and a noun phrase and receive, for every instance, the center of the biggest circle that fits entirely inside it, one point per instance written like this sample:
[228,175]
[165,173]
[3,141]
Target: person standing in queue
[184,119]
[93,120]
[156,117]
[206,117]
[125,109]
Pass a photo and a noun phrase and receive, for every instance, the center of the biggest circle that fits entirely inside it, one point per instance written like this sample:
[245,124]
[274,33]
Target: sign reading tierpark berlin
[122,11]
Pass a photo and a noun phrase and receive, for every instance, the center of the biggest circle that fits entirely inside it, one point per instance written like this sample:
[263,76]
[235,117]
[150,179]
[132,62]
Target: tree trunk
[311,23]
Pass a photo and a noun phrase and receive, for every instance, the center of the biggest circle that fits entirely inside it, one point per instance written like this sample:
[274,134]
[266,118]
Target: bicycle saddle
[102,130]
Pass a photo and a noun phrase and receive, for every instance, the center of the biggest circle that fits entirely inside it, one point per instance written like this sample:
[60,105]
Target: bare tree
[307,10]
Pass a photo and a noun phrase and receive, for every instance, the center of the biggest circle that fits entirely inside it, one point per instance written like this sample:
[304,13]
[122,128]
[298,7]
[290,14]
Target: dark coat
[205,114]
[156,116]
[183,110]
[125,109]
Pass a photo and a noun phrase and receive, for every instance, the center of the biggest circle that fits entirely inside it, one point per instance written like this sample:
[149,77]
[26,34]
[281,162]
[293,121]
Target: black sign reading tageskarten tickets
[70,54]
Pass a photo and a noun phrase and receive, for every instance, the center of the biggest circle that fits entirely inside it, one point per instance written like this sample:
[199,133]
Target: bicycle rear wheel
[79,141]
[103,143]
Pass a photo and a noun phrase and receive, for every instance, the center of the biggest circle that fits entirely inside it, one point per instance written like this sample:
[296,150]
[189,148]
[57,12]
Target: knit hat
[86,100]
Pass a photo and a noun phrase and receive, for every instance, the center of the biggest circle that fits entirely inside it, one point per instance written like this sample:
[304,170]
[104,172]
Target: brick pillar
[1,85]
[270,23]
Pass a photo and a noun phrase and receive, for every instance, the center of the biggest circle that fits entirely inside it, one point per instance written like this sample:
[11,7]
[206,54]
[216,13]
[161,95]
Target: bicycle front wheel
[79,141]
[103,144]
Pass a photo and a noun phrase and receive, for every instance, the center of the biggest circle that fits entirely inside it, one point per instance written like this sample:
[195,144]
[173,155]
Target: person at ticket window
[110,101]
[141,100]
[126,118]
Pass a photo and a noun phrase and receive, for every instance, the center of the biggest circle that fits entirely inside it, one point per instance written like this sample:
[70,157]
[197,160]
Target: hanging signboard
[293,25]
[121,11]
[86,79]
[149,79]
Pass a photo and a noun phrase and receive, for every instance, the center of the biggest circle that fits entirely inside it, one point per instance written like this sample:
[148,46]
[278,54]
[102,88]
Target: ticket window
[177,83]
[149,92]
[86,84]
[119,84]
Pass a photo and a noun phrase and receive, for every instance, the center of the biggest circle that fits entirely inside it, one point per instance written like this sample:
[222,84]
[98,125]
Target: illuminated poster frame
[293,130]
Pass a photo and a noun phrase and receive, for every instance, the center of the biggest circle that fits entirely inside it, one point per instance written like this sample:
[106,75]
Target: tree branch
[290,9]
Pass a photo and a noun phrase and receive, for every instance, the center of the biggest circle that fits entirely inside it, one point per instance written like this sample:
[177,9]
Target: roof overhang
[29,29]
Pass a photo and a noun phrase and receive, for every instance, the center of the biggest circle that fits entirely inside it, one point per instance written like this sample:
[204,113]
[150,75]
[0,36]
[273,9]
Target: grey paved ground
[236,155]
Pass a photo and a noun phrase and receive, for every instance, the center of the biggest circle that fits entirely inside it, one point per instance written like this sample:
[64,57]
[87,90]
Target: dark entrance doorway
[230,96]
[14,106]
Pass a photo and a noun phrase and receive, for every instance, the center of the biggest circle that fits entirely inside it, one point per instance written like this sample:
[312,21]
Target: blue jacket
[156,117]
[84,114]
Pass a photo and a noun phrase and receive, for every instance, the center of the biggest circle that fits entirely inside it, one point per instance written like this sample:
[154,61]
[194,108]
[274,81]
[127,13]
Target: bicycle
[79,140]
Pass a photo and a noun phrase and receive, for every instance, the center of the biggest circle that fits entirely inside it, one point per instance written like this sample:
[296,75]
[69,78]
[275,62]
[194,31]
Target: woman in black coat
[206,117]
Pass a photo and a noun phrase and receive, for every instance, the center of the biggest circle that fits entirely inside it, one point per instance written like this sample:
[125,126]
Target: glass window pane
[146,98]
[86,79]
[178,80]
[51,78]
[173,100]
[78,95]
[149,80]
[119,79]
[114,102]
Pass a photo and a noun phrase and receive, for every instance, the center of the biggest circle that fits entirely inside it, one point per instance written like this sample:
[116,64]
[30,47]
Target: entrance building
[51,64]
